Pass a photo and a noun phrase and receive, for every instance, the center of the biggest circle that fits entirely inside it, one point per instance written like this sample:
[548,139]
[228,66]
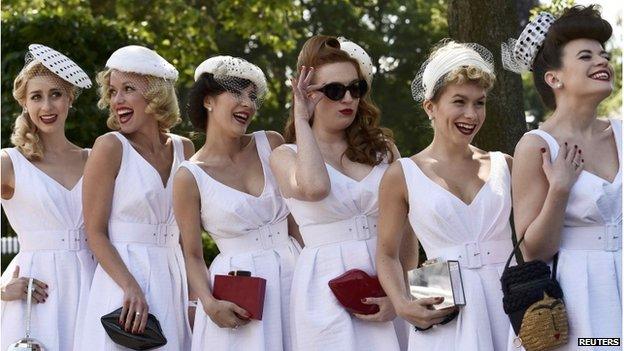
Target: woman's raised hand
[305,97]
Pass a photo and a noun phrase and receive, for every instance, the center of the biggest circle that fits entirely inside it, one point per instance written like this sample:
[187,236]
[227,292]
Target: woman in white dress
[567,179]
[41,195]
[128,203]
[228,190]
[329,176]
[457,199]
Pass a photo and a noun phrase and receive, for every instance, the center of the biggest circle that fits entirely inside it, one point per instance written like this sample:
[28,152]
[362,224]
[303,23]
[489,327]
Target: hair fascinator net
[519,54]
[236,75]
[143,69]
[358,53]
[448,56]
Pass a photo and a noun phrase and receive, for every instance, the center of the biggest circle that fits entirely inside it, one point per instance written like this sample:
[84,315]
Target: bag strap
[514,240]
[516,250]
[29,305]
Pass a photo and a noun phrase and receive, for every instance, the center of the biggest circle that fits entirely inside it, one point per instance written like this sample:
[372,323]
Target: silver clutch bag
[27,343]
[438,278]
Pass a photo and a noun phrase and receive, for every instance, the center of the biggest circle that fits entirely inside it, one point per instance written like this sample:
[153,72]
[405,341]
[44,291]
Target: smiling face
[233,110]
[127,101]
[47,102]
[458,113]
[336,115]
[585,71]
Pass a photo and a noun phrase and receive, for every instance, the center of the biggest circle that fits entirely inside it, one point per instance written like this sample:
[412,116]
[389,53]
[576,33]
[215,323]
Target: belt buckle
[161,234]
[73,239]
[362,227]
[473,255]
[612,234]
[266,236]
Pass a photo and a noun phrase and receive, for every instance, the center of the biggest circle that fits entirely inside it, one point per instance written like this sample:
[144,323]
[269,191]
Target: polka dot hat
[519,54]
[358,53]
[59,64]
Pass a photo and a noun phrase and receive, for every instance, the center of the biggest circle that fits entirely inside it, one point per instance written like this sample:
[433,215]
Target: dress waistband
[475,254]
[356,228]
[68,239]
[267,237]
[603,238]
[163,234]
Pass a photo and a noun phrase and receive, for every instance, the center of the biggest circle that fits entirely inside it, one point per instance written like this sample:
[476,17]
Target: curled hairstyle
[577,22]
[367,142]
[206,85]
[25,136]
[463,75]
[160,94]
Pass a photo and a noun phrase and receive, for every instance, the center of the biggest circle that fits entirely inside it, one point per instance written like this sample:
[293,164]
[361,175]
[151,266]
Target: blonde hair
[25,136]
[463,75]
[160,94]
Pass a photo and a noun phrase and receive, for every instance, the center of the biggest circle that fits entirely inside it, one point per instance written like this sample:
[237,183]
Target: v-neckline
[477,195]
[164,184]
[352,179]
[264,176]
[50,178]
[617,150]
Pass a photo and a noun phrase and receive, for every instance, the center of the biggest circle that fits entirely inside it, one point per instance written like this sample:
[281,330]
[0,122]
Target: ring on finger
[576,164]
[235,326]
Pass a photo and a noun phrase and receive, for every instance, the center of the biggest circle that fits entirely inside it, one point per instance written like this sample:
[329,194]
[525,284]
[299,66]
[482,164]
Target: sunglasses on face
[336,91]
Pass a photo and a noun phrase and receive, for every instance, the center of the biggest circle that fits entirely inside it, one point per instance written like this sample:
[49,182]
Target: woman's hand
[226,314]
[386,310]
[135,309]
[17,288]
[563,172]
[420,312]
[304,97]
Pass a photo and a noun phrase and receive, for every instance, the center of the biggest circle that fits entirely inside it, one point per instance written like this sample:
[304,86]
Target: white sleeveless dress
[590,257]
[479,237]
[252,235]
[339,233]
[142,228]
[48,221]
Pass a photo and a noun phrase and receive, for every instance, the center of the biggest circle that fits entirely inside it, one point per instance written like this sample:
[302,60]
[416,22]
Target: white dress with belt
[143,230]
[339,233]
[590,257]
[478,235]
[252,235]
[48,221]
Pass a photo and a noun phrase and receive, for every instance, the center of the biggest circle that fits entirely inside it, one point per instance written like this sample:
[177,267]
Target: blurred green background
[269,33]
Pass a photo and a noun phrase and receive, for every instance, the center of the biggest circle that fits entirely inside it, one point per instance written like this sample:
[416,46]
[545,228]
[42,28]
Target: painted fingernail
[579,151]
[566,143]
[575,146]
[363,300]
[582,160]
[543,149]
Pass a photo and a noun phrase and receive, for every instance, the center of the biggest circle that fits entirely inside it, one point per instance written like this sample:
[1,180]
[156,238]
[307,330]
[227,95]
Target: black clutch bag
[151,338]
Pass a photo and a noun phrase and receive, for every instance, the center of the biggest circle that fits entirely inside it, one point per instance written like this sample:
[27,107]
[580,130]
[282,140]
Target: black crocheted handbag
[533,300]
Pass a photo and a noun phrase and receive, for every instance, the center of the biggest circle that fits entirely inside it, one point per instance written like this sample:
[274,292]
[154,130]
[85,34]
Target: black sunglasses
[336,91]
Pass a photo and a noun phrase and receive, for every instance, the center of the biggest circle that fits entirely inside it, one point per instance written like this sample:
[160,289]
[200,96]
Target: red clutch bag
[354,285]
[242,289]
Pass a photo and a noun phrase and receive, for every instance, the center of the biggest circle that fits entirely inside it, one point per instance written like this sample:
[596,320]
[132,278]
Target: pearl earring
[559,85]
[209,108]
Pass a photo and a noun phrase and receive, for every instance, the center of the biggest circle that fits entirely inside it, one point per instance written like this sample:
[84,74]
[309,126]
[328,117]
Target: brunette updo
[578,22]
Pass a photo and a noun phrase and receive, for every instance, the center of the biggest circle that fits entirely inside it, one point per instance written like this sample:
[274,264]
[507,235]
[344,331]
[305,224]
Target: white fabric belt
[475,254]
[69,239]
[356,228]
[163,234]
[605,238]
[266,237]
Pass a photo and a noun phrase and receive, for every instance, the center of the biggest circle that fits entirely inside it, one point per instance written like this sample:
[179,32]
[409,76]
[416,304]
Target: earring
[559,85]
[209,108]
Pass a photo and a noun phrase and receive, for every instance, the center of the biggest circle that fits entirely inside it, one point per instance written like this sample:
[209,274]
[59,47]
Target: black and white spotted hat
[59,64]
[519,54]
